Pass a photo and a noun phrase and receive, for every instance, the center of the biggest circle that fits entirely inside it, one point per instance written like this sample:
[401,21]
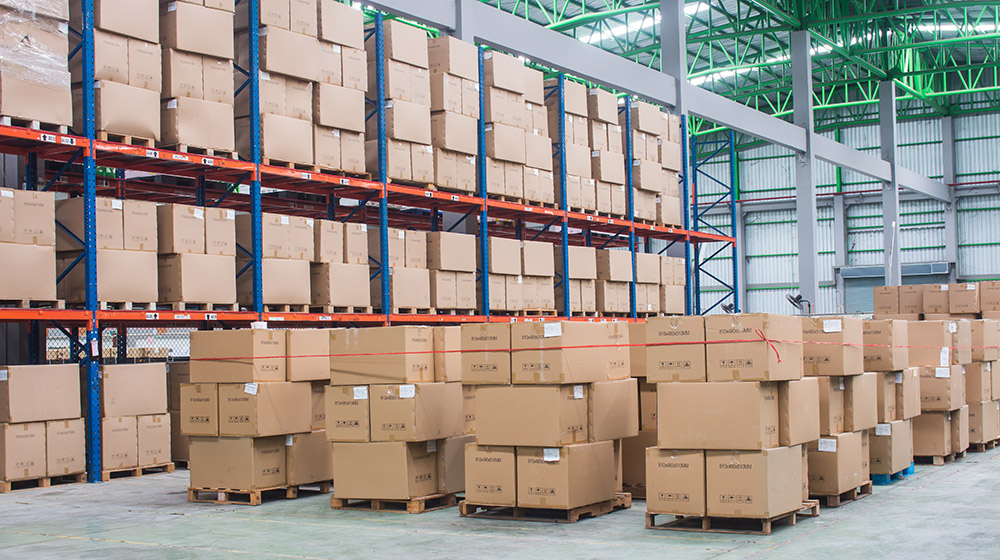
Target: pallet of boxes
[409,280]
[730,454]
[649,178]
[672,288]
[522,277]
[454,90]
[196,264]
[28,238]
[452,265]
[42,436]
[253,414]
[394,412]
[941,350]
[553,400]
[607,159]
[581,187]
[582,287]
[287,246]
[518,151]
[135,422]
[338,273]
[982,393]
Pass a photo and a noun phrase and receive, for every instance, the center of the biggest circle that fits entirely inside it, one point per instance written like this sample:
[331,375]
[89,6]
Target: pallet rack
[216,181]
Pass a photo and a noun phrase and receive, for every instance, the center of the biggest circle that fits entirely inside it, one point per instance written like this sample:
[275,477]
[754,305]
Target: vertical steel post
[383,203]
[687,206]
[484,241]
[564,229]
[255,143]
[733,231]
[199,193]
[695,278]
[31,172]
[890,189]
[630,201]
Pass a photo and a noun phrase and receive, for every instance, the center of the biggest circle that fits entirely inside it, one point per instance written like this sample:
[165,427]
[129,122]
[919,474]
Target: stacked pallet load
[647,288]
[898,302]
[983,402]
[538,278]
[28,238]
[839,464]
[126,71]
[886,352]
[407,96]
[454,76]
[452,265]
[197,63]
[251,414]
[178,374]
[409,279]
[135,423]
[553,400]
[942,350]
[582,280]
[505,278]
[288,246]
[673,279]
[197,257]
[614,275]
[607,157]
[126,252]
[396,419]
[669,204]
[731,423]
[648,177]
[339,269]
[581,189]
[506,115]
[42,436]
[34,67]
[539,182]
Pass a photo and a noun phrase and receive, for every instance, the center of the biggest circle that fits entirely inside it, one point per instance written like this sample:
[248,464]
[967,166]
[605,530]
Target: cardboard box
[690,415]
[486,356]
[180,229]
[243,463]
[911,300]
[832,404]
[505,143]
[932,435]
[34,277]
[469,408]
[860,402]
[356,244]
[197,29]
[308,458]
[451,251]
[929,342]
[840,352]
[942,388]
[565,477]
[753,484]
[341,24]
[388,470]
[195,122]
[276,130]
[908,401]
[761,360]
[886,300]
[647,406]
[220,232]
[286,281]
[984,421]
[133,389]
[614,266]
[568,352]
[317,401]
[451,463]
[110,226]
[196,278]
[675,481]
[505,256]
[124,110]
[34,218]
[613,410]
[835,464]
[339,285]
[454,132]
[22,451]
[264,409]
[960,429]
[443,290]
[416,412]
[178,373]
[307,351]
[935,298]
[153,437]
[39,393]
[328,241]
[985,340]
[504,71]
[217,80]
[886,397]
[447,354]
[798,404]
[963,298]
[633,457]
[65,447]
[892,447]
[348,413]
[666,362]
[978,382]
[199,409]
[402,355]
[490,475]
[532,415]
[237,356]
[119,443]
[886,344]
[139,224]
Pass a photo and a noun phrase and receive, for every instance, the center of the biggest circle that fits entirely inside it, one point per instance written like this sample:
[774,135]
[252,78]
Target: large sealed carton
[381,355]
[119,443]
[935,298]
[317,405]
[180,229]
[565,477]
[122,276]
[537,415]
[65,447]
[885,398]
[348,413]
[286,281]
[133,389]
[195,278]
[717,415]
[675,481]
[911,301]
[339,285]
[486,354]
[451,463]
[386,470]
[153,438]
[932,436]
[451,251]
[886,300]
[308,458]
[613,410]
[22,451]
[749,347]
[753,484]
[670,354]
[36,393]
[984,421]
[416,412]
[490,475]
[979,382]
[447,354]
[647,406]
[237,463]
[835,464]
[942,388]
[34,277]
[199,409]
[860,402]
[960,429]
[307,354]
[569,352]
[832,401]
[908,401]
[886,344]
[264,409]
[838,346]
[798,411]
[963,298]
[985,340]
[246,355]
[637,344]
[891,447]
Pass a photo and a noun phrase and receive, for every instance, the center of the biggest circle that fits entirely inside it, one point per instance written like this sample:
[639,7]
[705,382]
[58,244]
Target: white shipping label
[3,375]
[284,220]
[172,104]
[116,204]
[401,234]
[953,327]
[883,429]
[550,454]
[970,286]
[7,194]
[258,325]
[828,445]
[942,372]
[364,228]
[899,377]
[832,325]
[944,287]
[407,391]
[577,391]
[945,356]
[361,393]
[289,440]
[432,446]
[841,387]
[550,330]
[309,222]
[199,213]
[250,388]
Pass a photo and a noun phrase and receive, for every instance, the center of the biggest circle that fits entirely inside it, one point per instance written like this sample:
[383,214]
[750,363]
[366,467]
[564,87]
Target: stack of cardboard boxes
[506,280]
[669,204]
[454,75]
[339,269]
[614,274]
[452,264]
[505,125]
[27,238]
[647,288]
[409,279]
[135,424]
[941,350]
[126,69]
[539,186]
[197,64]
[288,245]
[253,409]
[582,279]
[898,398]
[984,403]
[730,428]
[549,413]
[197,254]
[673,279]
[538,281]
[396,420]
[41,432]
[648,178]
[607,152]
[178,374]
[34,77]
[407,95]
[938,302]
[126,250]
[581,189]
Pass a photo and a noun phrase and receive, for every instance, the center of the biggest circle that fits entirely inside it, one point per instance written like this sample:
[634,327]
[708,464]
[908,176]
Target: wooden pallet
[189,306]
[463,192]
[288,164]
[611,215]
[539,312]
[638,491]
[983,447]
[810,508]
[647,314]
[621,501]
[852,495]
[410,183]
[583,313]
[423,504]
[335,309]
[505,198]
[108,474]
[33,303]
[341,173]
[120,305]
[106,136]
[615,314]
[409,311]
[939,460]
[579,210]
[199,151]
[884,479]
[286,308]
[33,125]
[180,464]
[741,526]
[253,497]
[540,204]
[41,482]
[448,311]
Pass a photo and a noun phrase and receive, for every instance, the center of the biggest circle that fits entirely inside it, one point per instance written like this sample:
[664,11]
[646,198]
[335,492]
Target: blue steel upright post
[255,205]
[383,203]
[733,192]
[563,205]
[687,207]
[694,280]
[484,241]
[630,200]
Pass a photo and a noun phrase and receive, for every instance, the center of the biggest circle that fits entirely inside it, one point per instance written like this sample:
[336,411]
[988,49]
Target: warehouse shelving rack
[215,181]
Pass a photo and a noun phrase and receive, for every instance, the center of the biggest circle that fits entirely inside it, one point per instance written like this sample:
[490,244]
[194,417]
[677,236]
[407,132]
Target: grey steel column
[890,188]
[839,247]
[805,164]
[951,207]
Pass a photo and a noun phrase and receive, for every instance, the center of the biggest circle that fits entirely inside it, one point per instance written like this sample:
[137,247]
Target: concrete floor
[941,512]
